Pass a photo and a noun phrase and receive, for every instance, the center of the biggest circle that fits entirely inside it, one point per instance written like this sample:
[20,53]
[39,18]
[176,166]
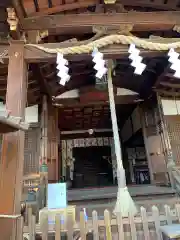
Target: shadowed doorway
[92,167]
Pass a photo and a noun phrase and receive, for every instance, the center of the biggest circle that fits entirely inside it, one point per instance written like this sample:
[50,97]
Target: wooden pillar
[43,153]
[49,167]
[53,142]
[12,158]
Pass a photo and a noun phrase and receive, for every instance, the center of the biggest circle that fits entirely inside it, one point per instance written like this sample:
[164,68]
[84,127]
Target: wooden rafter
[166,5]
[162,76]
[41,80]
[170,93]
[19,10]
[170,85]
[67,6]
[142,21]
[64,7]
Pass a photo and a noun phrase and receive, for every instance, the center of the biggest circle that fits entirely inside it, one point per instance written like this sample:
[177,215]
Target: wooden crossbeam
[169,93]
[170,85]
[33,55]
[170,5]
[142,21]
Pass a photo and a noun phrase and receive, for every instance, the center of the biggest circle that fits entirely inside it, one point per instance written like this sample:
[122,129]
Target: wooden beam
[91,99]
[170,85]
[33,55]
[5,3]
[12,155]
[162,75]
[42,82]
[167,93]
[64,7]
[19,10]
[112,52]
[171,5]
[142,21]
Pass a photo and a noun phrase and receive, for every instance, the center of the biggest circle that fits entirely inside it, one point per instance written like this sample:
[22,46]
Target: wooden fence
[146,225]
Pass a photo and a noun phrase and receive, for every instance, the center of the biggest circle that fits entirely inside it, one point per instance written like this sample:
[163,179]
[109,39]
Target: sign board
[57,196]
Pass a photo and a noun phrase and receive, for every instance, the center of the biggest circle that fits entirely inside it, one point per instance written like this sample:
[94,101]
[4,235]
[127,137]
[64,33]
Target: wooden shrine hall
[70,135]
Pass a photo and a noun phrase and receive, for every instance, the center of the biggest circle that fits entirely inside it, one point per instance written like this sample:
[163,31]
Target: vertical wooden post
[53,141]
[144,131]
[43,153]
[12,158]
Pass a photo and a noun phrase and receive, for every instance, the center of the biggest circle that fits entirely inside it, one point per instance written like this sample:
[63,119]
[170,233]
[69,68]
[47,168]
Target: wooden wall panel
[173,126]
[153,144]
[53,142]
[31,151]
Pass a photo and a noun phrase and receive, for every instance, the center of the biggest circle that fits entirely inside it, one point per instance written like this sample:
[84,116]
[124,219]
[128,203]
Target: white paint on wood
[69,94]
[125,92]
[31,114]
[178,106]
[169,107]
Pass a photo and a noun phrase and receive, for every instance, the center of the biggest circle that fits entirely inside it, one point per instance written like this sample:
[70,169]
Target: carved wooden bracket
[122,29]
[109,1]
[12,19]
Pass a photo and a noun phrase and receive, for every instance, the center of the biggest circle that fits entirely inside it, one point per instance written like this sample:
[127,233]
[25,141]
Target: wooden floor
[111,192]
[104,198]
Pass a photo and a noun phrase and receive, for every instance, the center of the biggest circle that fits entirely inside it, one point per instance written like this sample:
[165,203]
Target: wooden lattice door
[31,151]
[154,145]
[173,127]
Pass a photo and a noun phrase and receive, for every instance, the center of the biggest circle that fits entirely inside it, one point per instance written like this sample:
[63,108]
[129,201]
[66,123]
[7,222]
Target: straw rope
[109,40]
[176,28]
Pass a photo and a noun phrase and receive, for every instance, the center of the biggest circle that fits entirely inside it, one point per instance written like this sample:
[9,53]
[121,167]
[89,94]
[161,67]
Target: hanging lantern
[44,168]
[31,196]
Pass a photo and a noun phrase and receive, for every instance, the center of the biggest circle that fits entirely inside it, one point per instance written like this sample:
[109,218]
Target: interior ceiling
[34,8]
[83,75]
[42,79]
[34,88]
[39,7]
[92,117]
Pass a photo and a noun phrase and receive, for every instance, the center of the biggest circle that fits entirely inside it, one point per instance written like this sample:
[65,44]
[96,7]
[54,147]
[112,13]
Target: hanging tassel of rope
[124,203]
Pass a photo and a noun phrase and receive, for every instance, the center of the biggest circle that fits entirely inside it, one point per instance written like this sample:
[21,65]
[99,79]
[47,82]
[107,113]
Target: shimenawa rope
[109,40]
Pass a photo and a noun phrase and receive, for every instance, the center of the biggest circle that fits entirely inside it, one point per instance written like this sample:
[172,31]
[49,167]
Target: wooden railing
[175,175]
[146,225]
[18,223]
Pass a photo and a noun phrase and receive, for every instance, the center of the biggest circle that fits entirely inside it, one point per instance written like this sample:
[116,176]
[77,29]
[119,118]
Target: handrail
[175,175]
[30,177]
